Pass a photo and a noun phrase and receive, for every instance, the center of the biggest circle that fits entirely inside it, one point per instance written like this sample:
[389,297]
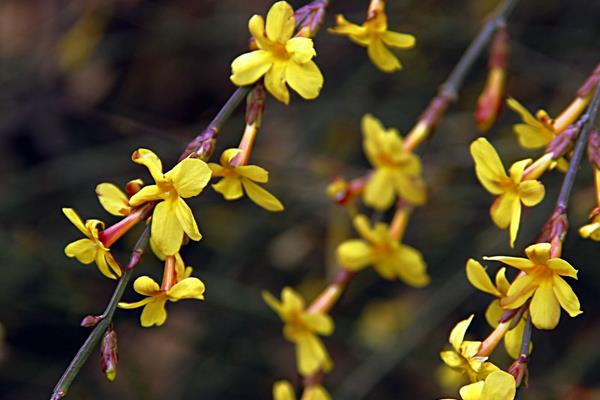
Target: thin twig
[61,388]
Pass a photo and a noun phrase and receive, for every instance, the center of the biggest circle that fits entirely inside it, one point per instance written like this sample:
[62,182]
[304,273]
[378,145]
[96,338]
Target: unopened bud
[109,357]
[518,369]
[91,321]
[134,186]
[593,149]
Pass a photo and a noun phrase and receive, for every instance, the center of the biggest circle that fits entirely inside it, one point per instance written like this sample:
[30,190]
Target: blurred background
[84,83]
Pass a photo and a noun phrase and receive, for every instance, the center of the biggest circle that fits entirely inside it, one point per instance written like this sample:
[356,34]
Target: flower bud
[90,321]
[109,357]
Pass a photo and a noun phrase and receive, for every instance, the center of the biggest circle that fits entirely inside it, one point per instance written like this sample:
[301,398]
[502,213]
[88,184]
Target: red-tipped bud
[109,356]
[255,104]
[518,369]
[491,99]
[91,321]
[134,186]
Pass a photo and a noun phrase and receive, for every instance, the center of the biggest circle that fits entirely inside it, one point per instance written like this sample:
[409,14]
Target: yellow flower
[244,176]
[375,36]
[479,278]
[172,216]
[283,390]
[534,132]
[511,190]
[397,172]
[377,247]
[463,356]
[543,281]
[154,312]
[280,57]
[591,230]
[91,249]
[301,327]
[498,385]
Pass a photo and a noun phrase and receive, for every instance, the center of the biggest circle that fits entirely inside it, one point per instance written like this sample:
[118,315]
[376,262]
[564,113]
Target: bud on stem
[109,356]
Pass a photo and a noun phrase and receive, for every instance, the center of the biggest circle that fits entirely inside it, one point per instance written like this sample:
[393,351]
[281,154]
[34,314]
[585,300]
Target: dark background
[157,74]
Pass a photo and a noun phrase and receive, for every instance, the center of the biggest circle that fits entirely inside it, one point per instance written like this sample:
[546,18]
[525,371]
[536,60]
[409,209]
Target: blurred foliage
[86,82]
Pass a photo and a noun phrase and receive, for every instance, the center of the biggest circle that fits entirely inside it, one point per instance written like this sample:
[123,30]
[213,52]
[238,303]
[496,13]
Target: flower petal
[253,172]
[399,40]
[137,304]
[513,339]
[188,288]
[83,249]
[538,253]
[354,254]
[149,159]
[319,323]
[519,292]
[493,313]
[562,267]
[261,196]
[186,219]
[488,166]
[566,296]
[147,193]
[382,57]
[410,266]
[283,390]
[517,262]
[306,79]
[472,391]
[230,187]
[379,190]
[280,22]
[545,308]
[109,269]
[457,336]
[112,199]
[146,286]
[515,220]
[311,354]
[275,81]
[480,279]
[166,230]
[501,210]
[250,67]
[75,220]
[189,177]
[531,192]
[499,385]
[301,49]
[154,313]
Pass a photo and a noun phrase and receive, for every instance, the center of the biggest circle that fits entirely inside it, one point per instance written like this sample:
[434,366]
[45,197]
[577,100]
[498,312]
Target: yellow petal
[532,138]
[317,392]
[280,22]
[516,170]
[188,288]
[519,292]
[112,199]
[499,385]
[480,279]
[357,33]
[300,49]
[186,219]
[275,82]
[566,297]
[515,220]
[513,339]
[379,190]
[488,166]
[526,116]
[538,253]
[361,224]
[261,197]
[151,161]
[147,193]
[501,209]
[228,155]
[517,262]
[189,177]
[493,313]
[230,187]
[545,309]
[154,313]
[354,254]
[256,26]
[311,354]
[109,269]
[306,79]
[531,192]
[410,266]
[75,220]
[146,286]
[292,302]
[590,230]
[457,335]
[166,230]
[451,358]
[250,67]
[283,390]
[501,282]
[399,40]
[472,391]
[411,189]
[318,323]
[561,267]
[83,249]
[253,172]
[137,304]
[382,57]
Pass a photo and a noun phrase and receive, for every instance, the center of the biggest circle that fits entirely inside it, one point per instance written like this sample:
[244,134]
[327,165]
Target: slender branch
[580,145]
[61,388]
[521,364]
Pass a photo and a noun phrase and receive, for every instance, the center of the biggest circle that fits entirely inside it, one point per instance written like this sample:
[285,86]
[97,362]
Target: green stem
[61,388]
